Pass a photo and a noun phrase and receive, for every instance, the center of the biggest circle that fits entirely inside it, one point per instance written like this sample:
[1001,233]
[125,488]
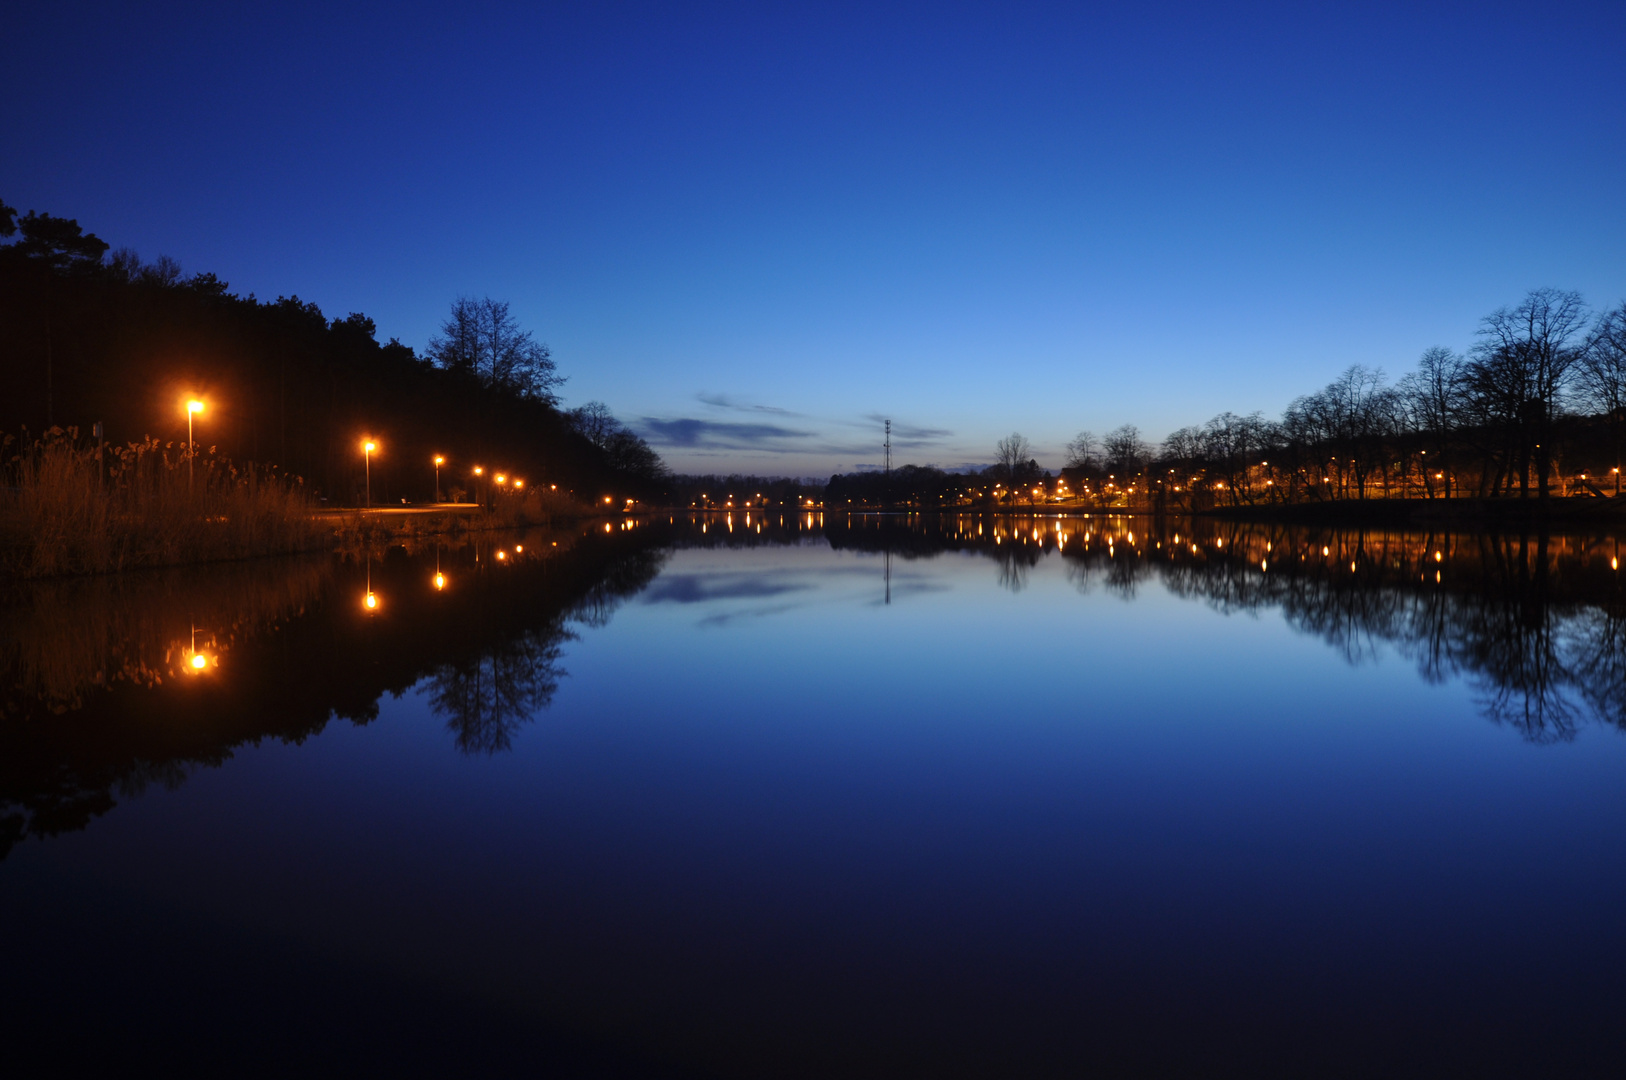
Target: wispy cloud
[693,433]
[905,434]
[769,434]
[723,401]
[698,436]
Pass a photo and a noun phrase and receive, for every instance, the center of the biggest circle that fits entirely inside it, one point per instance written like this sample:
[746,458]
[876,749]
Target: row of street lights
[369,446]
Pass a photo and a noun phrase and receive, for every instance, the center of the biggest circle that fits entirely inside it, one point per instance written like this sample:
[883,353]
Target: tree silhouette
[1522,365]
[481,338]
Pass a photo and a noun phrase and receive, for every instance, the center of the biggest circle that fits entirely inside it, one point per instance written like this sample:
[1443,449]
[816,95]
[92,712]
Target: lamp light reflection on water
[440,581]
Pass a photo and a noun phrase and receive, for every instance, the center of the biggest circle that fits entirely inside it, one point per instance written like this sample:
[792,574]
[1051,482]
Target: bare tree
[595,421]
[1434,398]
[1010,455]
[482,338]
[1602,372]
[1083,452]
[1126,451]
[624,450]
[1232,445]
[1523,364]
[1181,456]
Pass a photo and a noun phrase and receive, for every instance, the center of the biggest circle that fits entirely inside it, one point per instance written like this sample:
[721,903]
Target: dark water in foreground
[845,797]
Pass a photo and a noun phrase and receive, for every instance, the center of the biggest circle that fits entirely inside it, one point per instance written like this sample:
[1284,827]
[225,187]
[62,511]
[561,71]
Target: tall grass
[69,508]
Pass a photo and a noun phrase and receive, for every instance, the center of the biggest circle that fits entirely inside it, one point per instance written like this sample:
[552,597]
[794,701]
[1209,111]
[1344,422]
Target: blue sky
[752,230]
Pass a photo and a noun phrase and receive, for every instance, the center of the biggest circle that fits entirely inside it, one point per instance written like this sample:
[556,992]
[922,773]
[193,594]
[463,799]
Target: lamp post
[192,406]
[439,461]
[367,448]
[479,496]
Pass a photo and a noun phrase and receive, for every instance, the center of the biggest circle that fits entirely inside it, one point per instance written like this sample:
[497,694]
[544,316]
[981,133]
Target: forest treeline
[90,336]
[1536,408]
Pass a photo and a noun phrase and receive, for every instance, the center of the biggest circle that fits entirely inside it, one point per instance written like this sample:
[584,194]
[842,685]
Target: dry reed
[70,507]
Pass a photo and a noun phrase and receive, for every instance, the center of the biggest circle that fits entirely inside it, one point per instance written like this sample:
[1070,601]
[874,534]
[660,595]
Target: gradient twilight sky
[753,229]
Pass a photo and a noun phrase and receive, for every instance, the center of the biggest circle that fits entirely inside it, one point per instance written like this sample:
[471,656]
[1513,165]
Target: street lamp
[192,406]
[367,448]
[439,461]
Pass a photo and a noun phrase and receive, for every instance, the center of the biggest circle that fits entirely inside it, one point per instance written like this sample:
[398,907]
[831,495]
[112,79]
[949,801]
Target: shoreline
[344,526]
[1470,512]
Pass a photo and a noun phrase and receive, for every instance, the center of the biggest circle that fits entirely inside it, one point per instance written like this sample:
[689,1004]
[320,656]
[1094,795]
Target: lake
[805,795]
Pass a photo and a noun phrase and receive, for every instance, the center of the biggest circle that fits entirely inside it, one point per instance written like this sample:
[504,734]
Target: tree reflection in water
[101,697]
[1536,623]
[486,698]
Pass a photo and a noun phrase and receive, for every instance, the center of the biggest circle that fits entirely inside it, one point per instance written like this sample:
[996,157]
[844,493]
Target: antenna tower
[888,448]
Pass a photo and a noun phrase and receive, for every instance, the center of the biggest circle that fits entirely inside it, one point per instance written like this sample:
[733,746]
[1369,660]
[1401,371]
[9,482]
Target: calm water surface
[868,796]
